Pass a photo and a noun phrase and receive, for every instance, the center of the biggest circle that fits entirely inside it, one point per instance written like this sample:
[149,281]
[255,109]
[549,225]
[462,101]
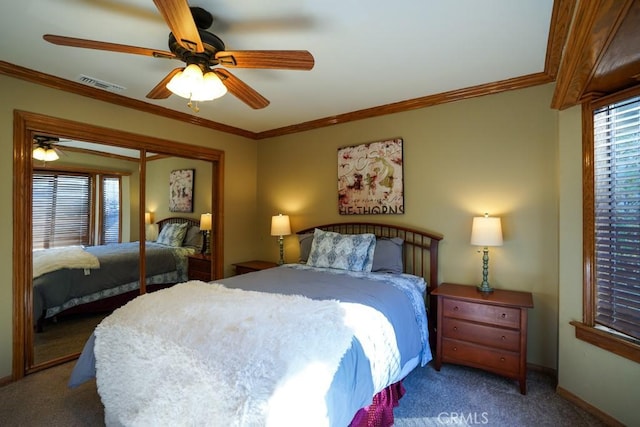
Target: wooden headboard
[420,253]
[177,220]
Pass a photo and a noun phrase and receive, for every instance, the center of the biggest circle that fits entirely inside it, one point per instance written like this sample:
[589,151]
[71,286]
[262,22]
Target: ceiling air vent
[100,84]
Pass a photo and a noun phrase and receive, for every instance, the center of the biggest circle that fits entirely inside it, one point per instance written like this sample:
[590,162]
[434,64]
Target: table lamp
[280,226]
[486,231]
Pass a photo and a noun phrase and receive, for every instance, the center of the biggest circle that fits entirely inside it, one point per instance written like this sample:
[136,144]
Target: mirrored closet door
[126,180]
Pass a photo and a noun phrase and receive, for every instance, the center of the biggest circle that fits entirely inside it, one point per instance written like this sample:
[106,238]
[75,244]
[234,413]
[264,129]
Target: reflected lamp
[205,227]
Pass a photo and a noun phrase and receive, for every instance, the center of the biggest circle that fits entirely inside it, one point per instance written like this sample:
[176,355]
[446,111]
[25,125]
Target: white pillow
[352,252]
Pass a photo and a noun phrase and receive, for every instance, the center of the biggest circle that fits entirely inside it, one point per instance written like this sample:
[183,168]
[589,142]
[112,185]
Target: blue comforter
[398,297]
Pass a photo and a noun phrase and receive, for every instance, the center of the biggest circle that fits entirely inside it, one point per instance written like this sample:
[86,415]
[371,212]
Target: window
[65,205]
[110,209]
[61,209]
[611,193]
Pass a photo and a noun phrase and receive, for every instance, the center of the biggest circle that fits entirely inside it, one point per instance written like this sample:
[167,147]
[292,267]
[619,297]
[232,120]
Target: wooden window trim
[586,330]
[607,341]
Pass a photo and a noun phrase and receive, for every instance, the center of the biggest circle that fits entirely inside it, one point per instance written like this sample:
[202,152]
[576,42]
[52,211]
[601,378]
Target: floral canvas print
[181,190]
[370,179]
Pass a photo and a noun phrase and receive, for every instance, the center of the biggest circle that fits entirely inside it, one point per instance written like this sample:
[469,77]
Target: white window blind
[110,207]
[61,209]
[617,216]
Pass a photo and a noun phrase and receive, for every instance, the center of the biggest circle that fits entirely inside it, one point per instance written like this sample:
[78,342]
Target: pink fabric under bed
[380,412]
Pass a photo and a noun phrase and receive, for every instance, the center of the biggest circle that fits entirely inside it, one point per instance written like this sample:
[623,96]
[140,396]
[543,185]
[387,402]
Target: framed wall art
[181,190]
[370,178]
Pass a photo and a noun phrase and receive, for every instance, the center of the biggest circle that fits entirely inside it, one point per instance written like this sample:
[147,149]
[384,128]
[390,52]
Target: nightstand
[199,267]
[486,331]
[255,265]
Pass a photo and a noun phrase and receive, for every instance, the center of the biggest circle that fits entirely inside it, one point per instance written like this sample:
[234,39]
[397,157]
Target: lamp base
[281,244]
[206,244]
[485,289]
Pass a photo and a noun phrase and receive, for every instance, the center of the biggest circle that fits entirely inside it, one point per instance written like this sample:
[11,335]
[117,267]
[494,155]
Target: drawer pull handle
[455,348]
[503,338]
[502,359]
[504,315]
[455,328]
[455,308]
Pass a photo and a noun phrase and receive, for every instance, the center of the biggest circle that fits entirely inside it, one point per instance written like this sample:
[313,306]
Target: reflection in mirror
[179,189]
[130,167]
[70,302]
[80,202]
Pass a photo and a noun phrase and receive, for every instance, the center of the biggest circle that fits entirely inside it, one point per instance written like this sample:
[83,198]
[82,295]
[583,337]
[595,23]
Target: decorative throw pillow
[193,237]
[387,258]
[172,234]
[305,246]
[342,251]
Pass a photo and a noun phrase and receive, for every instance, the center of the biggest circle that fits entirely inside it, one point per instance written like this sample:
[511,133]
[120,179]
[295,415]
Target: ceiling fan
[204,55]
[45,149]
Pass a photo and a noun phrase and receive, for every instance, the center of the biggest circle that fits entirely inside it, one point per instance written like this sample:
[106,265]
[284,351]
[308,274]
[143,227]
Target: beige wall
[495,154]
[601,378]
[157,189]
[240,173]
[507,154]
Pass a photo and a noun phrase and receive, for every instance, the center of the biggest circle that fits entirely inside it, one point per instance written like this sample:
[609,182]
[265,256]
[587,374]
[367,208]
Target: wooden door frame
[25,125]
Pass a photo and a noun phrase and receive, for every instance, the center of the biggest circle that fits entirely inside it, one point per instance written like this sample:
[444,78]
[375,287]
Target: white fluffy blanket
[48,260]
[201,354]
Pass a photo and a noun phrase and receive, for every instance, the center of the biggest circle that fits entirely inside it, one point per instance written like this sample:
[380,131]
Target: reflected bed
[101,278]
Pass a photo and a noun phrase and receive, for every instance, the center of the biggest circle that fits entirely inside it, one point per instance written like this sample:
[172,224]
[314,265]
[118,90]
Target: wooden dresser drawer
[501,338]
[199,275]
[503,362]
[485,313]
[199,267]
[486,331]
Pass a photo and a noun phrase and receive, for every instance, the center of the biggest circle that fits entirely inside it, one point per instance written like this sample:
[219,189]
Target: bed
[101,278]
[323,342]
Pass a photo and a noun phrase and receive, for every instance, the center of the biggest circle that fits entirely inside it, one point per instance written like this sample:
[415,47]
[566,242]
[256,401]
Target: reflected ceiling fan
[45,149]
[204,54]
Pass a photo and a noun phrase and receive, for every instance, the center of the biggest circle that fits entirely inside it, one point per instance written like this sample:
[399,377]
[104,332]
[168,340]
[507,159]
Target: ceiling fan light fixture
[45,153]
[39,153]
[191,84]
[50,155]
[179,85]
[210,89]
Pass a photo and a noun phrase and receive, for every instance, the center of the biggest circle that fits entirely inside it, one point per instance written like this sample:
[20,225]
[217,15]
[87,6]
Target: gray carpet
[455,396]
[461,396]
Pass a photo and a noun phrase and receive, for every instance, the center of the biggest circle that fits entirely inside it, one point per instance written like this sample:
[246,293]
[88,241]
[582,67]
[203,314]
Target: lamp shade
[486,231]
[280,225]
[45,153]
[147,218]
[209,89]
[191,83]
[205,221]
[39,153]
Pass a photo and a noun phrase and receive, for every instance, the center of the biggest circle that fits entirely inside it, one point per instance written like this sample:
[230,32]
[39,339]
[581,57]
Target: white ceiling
[367,53]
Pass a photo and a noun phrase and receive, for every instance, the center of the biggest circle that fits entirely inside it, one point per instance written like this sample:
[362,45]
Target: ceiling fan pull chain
[193,105]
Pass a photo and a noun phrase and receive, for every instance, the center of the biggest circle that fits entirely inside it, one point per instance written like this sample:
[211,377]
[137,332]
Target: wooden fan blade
[113,47]
[161,91]
[277,59]
[241,90]
[178,17]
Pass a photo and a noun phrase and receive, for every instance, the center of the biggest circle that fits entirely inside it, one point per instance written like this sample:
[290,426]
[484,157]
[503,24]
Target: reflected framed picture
[181,183]
[370,178]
